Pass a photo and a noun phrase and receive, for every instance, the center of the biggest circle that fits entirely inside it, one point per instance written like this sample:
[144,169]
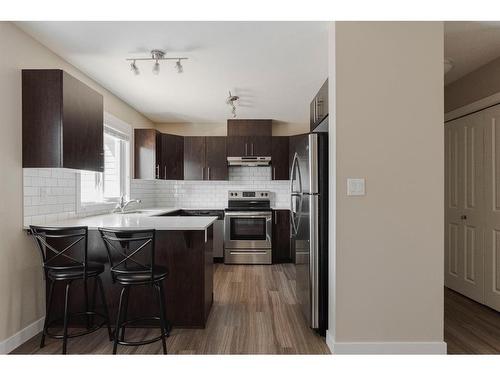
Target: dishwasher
[218,243]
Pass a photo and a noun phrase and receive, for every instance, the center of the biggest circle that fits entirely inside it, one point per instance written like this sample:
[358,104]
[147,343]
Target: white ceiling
[470,45]
[275,67]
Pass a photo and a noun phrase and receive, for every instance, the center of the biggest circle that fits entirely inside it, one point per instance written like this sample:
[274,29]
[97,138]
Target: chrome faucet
[122,204]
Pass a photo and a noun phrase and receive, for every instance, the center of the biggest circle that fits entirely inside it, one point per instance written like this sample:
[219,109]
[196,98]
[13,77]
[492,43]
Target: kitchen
[243,199]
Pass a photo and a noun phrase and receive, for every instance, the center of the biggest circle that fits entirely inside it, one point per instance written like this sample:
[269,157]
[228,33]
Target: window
[97,187]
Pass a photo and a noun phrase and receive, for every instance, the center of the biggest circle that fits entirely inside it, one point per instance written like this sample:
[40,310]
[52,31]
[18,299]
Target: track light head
[134,68]
[179,67]
[156,68]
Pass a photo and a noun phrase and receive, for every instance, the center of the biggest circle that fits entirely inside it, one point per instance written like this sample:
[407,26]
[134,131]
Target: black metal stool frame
[55,272]
[120,270]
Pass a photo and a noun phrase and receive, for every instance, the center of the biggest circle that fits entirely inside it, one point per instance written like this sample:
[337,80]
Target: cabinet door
[279,158]
[83,126]
[194,158]
[146,159]
[237,146]
[172,157]
[260,145]
[281,237]
[216,158]
[464,200]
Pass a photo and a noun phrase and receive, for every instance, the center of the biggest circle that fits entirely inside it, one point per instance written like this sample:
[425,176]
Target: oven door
[248,230]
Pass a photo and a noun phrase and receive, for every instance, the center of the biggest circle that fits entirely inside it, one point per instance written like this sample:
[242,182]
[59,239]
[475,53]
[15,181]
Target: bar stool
[64,254]
[131,255]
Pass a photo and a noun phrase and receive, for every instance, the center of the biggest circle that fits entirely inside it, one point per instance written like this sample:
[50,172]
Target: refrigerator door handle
[313,259]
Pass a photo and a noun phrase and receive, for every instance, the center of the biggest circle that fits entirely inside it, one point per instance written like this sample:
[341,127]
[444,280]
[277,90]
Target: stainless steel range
[248,228]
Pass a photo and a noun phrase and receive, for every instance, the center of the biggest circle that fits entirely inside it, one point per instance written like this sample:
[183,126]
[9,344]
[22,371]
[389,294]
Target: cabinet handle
[275,217]
[165,172]
[246,149]
[158,171]
[208,173]
[202,173]
[274,173]
[252,149]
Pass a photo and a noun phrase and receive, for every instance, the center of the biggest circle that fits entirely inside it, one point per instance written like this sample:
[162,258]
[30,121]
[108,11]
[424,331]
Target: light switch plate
[355,186]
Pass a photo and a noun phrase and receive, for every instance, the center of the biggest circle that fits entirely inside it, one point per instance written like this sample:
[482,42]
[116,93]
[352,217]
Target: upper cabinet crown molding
[62,122]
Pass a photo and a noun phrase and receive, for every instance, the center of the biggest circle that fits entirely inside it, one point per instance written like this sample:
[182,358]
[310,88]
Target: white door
[492,208]
[464,201]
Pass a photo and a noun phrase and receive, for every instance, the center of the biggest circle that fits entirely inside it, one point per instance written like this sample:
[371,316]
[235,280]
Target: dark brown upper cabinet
[205,158]
[216,158]
[249,137]
[62,122]
[147,153]
[281,237]
[172,161]
[318,108]
[279,158]
[194,158]
[157,155]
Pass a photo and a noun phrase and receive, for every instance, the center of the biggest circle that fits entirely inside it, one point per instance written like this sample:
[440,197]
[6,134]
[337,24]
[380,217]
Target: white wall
[21,281]
[388,252]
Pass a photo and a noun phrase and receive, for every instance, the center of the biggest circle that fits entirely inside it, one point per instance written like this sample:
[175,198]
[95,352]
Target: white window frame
[114,123]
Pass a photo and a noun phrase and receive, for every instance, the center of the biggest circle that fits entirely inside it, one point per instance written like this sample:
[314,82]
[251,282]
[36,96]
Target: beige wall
[212,129]
[388,259]
[21,291]
[477,85]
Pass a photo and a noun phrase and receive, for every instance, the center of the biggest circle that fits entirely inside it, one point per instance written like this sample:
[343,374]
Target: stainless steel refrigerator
[309,225]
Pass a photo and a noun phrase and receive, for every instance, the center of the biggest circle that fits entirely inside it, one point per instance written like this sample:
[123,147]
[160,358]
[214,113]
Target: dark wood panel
[188,290]
[249,127]
[319,106]
[62,122]
[83,127]
[145,153]
[194,158]
[216,158]
[279,158]
[237,146]
[173,157]
[42,118]
[281,237]
[260,145]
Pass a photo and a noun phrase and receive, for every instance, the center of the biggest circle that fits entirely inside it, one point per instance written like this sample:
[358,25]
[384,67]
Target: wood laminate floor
[255,311]
[470,327]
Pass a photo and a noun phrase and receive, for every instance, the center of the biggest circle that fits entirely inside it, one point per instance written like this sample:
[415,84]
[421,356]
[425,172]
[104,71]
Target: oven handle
[251,216]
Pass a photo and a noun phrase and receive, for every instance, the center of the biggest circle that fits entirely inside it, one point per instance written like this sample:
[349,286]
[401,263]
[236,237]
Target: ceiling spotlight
[157,55]
[134,68]
[156,68]
[179,67]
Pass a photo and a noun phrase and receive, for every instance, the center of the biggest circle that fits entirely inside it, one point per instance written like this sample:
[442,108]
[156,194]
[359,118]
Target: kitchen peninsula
[182,244]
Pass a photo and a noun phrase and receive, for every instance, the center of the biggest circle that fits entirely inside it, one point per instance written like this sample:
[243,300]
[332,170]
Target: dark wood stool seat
[131,255]
[64,254]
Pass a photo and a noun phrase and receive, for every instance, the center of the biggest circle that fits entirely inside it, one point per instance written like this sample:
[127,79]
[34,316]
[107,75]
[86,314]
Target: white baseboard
[21,337]
[433,347]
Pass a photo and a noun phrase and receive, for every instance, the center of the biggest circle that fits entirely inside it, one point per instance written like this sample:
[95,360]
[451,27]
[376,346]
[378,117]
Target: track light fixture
[156,56]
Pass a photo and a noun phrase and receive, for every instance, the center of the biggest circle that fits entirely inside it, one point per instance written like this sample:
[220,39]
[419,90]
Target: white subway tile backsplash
[50,194]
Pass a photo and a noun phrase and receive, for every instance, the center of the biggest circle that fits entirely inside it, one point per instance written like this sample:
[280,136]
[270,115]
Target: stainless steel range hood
[249,161]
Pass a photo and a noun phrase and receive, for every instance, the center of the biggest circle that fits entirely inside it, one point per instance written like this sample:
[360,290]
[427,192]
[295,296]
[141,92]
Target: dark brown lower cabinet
[188,287]
[281,237]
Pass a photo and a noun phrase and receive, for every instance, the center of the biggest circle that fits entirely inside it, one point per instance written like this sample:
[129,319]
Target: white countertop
[145,219]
